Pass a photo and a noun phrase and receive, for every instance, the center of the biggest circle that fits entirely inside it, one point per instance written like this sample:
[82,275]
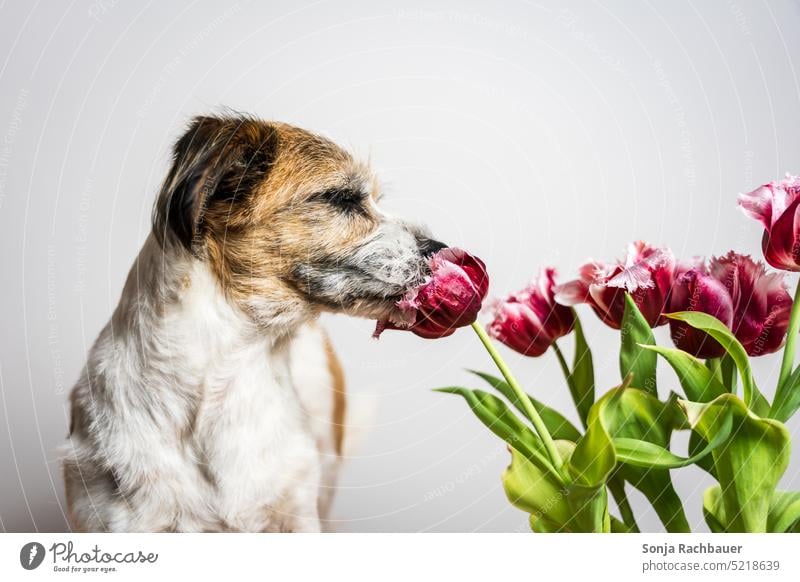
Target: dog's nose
[428,246]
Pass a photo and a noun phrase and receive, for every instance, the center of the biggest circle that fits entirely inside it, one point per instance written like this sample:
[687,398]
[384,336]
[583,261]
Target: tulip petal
[780,243]
[760,300]
[449,298]
[646,274]
[530,320]
[758,204]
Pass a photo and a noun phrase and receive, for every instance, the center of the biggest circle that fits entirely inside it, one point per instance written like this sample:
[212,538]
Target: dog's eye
[345,199]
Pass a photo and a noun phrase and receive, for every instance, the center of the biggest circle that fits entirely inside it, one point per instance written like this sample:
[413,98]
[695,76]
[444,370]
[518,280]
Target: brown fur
[258,227]
[249,256]
[339,396]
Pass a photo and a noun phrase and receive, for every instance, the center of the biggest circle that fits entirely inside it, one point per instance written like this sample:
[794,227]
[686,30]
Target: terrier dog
[212,400]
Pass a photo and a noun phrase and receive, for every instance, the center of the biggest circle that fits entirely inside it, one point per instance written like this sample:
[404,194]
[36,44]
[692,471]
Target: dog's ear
[217,160]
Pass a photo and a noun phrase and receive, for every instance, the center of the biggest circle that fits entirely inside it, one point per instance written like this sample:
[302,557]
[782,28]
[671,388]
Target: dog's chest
[251,433]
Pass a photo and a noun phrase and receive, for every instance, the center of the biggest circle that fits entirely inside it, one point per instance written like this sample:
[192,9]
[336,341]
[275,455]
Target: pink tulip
[694,289]
[775,205]
[761,304]
[449,298]
[646,274]
[530,321]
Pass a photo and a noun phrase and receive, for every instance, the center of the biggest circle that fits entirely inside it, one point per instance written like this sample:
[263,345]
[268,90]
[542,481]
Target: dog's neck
[173,304]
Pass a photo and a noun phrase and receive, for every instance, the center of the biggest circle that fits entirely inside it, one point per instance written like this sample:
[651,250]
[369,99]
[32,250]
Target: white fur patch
[195,416]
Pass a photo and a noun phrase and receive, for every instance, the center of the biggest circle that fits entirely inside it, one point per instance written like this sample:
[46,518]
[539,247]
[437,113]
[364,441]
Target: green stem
[530,410]
[791,340]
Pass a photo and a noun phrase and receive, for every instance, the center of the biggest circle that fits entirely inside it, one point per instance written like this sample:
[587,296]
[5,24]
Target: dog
[213,400]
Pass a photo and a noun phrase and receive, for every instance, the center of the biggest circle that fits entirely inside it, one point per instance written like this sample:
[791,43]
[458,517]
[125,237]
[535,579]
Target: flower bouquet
[720,313]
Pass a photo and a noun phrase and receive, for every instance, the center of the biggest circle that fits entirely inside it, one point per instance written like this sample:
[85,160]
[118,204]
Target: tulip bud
[695,290]
[776,206]
[530,321]
[449,298]
[646,274]
[761,304]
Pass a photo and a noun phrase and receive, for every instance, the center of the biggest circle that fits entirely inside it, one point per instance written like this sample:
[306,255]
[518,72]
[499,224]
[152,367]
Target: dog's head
[288,222]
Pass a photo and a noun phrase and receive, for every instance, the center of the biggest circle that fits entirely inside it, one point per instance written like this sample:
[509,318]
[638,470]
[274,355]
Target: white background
[531,133]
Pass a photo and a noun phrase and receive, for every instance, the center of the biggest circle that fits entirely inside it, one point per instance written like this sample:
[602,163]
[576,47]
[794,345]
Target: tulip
[449,298]
[646,274]
[530,321]
[761,304]
[775,205]
[694,289]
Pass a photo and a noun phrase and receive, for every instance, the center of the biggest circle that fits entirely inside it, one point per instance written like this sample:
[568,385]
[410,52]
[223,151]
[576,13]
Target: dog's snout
[428,246]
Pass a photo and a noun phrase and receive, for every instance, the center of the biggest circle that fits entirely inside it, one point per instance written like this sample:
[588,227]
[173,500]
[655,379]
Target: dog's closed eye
[350,200]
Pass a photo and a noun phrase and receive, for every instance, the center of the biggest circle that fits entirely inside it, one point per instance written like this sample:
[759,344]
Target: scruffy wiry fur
[212,401]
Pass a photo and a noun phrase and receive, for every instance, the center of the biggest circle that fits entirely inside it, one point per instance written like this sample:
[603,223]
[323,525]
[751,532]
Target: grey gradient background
[532,133]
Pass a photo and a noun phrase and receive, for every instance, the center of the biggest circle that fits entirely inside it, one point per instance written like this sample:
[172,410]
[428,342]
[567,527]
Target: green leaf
[557,425]
[618,526]
[594,459]
[720,332]
[783,516]
[649,455]
[697,444]
[533,490]
[699,383]
[713,366]
[616,486]
[784,512]
[727,368]
[497,417]
[787,398]
[714,509]
[555,506]
[748,464]
[581,380]
[635,333]
[531,482]
[633,414]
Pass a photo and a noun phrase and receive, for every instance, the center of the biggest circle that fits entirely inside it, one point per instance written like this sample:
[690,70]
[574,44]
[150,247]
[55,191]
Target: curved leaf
[633,414]
[784,512]
[698,382]
[644,454]
[697,444]
[497,417]
[537,492]
[594,459]
[557,425]
[720,332]
[714,509]
[783,517]
[748,464]
[555,506]
[635,334]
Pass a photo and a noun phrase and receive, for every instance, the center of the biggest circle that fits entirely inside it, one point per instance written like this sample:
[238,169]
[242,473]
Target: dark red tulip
[646,274]
[777,206]
[694,289]
[761,304]
[449,298]
[530,321]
